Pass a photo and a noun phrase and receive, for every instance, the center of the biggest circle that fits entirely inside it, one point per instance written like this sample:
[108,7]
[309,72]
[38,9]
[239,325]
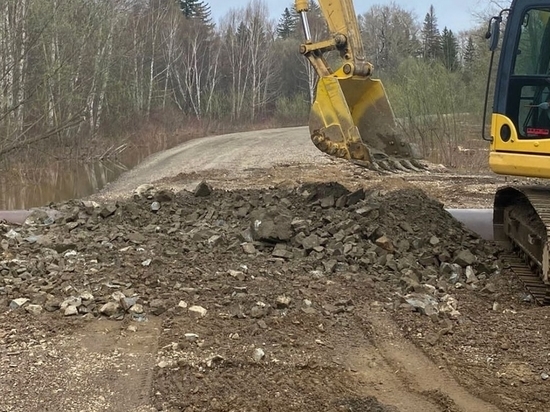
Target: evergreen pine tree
[243,33]
[431,37]
[469,53]
[449,46]
[286,25]
[196,9]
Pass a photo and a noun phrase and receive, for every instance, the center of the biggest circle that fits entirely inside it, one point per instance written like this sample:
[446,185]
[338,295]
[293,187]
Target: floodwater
[36,185]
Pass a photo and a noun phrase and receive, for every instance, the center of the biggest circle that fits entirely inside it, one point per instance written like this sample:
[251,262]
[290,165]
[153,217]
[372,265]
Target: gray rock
[72,225]
[330,265]
[108,210]
[327,202]
[432,338]
[370,211]
[280,250]
[52,304]
[145,190]
[70,311]
[158,307]
[71,301]
[237,274]
[110,309]
[406,226]
[449,306]
[34,309]
[258,354]
[333,309]
[283,302]
[249,248]
[128,303]
[155,207]
[423,303]
[117,296]
[164,364]
[470,275]
[308,310]
[385,243]
[341,202]
[215,240]
[298,224]
[258,312]
[90,206]
[191,337]
[137,309]
[464,258]
[214,360]
[17,303]
[450,273]
[86,296]
[136,238]
[164,195]
[489,288]
[355,197]
[271,228]
[311,242]
[12,234]
[203,189]
[197,311]
[434,240]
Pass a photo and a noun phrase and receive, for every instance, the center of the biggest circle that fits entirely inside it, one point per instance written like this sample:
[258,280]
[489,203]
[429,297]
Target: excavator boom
[351,116]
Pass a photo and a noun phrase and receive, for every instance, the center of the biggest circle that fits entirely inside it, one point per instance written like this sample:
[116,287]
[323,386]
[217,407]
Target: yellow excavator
[351,118]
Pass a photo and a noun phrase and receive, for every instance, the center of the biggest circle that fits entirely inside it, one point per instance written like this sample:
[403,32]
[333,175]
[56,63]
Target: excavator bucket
[352,118]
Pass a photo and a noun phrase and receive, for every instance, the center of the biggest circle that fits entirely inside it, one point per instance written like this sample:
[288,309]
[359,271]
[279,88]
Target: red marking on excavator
[531,131]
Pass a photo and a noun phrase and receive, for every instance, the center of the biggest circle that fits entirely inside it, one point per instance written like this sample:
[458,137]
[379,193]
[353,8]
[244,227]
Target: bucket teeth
[410,166]
[396,164]
[391,165]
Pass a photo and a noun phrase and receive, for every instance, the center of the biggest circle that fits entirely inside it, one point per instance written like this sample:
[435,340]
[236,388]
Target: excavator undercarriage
[522,220]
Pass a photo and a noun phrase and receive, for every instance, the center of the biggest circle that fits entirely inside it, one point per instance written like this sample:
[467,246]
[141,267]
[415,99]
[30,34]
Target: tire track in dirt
[402,376]
[132,376]
[101,366]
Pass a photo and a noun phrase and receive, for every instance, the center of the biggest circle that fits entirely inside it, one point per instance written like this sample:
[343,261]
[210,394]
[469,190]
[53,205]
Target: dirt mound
[107,258]
[260,290]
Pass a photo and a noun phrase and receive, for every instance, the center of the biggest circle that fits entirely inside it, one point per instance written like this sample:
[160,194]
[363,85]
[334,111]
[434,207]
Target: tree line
[75,72]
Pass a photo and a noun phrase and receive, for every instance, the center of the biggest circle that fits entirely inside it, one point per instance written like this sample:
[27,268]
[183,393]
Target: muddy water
[35,185]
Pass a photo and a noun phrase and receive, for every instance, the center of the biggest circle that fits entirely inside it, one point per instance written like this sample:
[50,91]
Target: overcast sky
[457,15]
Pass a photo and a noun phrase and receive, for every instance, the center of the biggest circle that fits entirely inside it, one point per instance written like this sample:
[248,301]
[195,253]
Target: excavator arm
[351,116]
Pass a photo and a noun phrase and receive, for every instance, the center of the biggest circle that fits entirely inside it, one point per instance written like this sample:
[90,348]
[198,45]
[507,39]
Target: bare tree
[390,34]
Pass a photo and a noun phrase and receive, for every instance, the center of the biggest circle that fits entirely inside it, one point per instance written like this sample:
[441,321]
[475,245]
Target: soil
[290,287]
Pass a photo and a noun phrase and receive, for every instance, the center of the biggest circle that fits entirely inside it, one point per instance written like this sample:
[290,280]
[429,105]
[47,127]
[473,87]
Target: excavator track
[522,218]
[531,282]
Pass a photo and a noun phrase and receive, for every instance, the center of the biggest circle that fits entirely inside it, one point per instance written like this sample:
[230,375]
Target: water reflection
[35,185]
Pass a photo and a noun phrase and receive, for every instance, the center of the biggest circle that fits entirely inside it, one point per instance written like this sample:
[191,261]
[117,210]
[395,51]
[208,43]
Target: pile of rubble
[129,258]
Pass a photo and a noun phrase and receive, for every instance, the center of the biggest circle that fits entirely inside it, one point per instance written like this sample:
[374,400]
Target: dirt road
[276,292]
[286,157]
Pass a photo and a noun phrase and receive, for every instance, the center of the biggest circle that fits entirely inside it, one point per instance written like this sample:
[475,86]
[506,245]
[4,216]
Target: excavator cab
[351,116]
[520,125]
[520,139]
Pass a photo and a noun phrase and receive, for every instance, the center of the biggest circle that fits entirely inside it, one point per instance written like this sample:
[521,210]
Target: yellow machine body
[517,157]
